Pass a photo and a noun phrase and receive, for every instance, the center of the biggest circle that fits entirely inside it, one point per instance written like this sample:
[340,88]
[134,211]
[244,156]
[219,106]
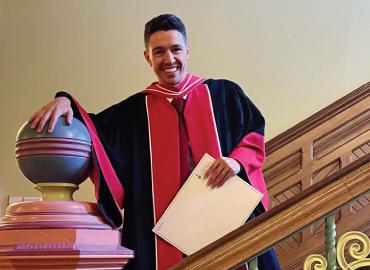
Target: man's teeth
[170,69]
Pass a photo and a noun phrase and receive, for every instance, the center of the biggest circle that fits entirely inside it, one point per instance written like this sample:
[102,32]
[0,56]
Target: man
[154,138]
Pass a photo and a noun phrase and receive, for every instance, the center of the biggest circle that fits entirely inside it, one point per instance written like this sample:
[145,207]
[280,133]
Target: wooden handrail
[284,220]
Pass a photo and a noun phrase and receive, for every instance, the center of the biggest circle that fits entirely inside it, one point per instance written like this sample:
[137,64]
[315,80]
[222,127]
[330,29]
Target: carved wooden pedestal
[59,235]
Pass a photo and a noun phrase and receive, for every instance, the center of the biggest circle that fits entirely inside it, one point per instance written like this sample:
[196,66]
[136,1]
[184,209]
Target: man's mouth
[170,69]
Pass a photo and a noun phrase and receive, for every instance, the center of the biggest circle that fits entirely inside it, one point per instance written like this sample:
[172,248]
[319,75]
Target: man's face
[168,55]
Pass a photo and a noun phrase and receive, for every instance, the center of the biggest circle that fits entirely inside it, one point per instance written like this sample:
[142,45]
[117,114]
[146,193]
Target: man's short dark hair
[163,22]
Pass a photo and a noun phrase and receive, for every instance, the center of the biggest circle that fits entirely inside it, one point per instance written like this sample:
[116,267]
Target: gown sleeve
[242,127]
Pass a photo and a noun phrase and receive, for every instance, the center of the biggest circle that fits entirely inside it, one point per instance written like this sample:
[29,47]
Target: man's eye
[158,52]
[176,49]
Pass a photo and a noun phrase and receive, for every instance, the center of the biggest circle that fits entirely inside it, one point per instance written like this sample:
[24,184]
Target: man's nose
[169,57]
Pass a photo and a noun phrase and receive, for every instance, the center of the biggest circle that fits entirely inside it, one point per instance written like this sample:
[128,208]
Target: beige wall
[293,57]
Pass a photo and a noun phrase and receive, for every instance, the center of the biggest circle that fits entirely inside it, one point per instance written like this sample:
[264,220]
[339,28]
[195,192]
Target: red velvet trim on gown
[163,127]
[250,152]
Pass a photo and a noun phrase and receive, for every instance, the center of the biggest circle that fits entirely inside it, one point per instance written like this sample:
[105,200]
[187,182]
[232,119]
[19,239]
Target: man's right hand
[61,106]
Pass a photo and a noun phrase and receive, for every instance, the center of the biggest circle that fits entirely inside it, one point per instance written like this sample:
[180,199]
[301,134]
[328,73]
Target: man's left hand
[221,170]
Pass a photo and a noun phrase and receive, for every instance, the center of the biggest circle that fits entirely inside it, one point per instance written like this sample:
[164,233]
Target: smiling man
[167,52]
[155,138]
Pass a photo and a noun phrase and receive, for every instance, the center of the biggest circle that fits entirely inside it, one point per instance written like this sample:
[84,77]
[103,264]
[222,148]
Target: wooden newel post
[57,232]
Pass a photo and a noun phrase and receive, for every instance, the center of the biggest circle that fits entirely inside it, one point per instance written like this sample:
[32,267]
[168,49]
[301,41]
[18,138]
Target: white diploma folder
[199,215]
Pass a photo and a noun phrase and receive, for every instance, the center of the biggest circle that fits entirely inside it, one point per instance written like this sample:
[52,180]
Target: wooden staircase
[313,169]
[311,151]
[284,220]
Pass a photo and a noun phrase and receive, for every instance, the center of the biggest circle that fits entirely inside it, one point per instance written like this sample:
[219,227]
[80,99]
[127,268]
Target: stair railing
[320,200]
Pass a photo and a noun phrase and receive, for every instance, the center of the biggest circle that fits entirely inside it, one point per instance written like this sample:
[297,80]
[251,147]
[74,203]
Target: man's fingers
[220,171]
[32,118]
[53,110]
[210,170]
[213,178]
[56,114]
[69,116]
[36,120]
[226,177]
[220,178]
[43,119]
[53,120]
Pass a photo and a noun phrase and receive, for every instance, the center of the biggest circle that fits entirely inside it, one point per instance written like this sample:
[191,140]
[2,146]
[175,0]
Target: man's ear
[147,58]
[187,52]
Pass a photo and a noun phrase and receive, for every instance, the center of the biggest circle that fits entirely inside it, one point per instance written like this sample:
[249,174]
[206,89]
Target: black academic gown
[124,132]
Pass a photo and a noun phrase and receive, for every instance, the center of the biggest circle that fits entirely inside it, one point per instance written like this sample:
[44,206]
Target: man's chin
[170,81]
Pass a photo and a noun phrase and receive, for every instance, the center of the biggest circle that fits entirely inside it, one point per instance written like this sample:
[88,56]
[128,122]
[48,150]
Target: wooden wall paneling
[360,151]
[280,172]
[280,192]
[326,170]
[276,151]
[307,161]
[283,168]
[287,193]
[345,160]
[359,204]
[342,150]
[341,134]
